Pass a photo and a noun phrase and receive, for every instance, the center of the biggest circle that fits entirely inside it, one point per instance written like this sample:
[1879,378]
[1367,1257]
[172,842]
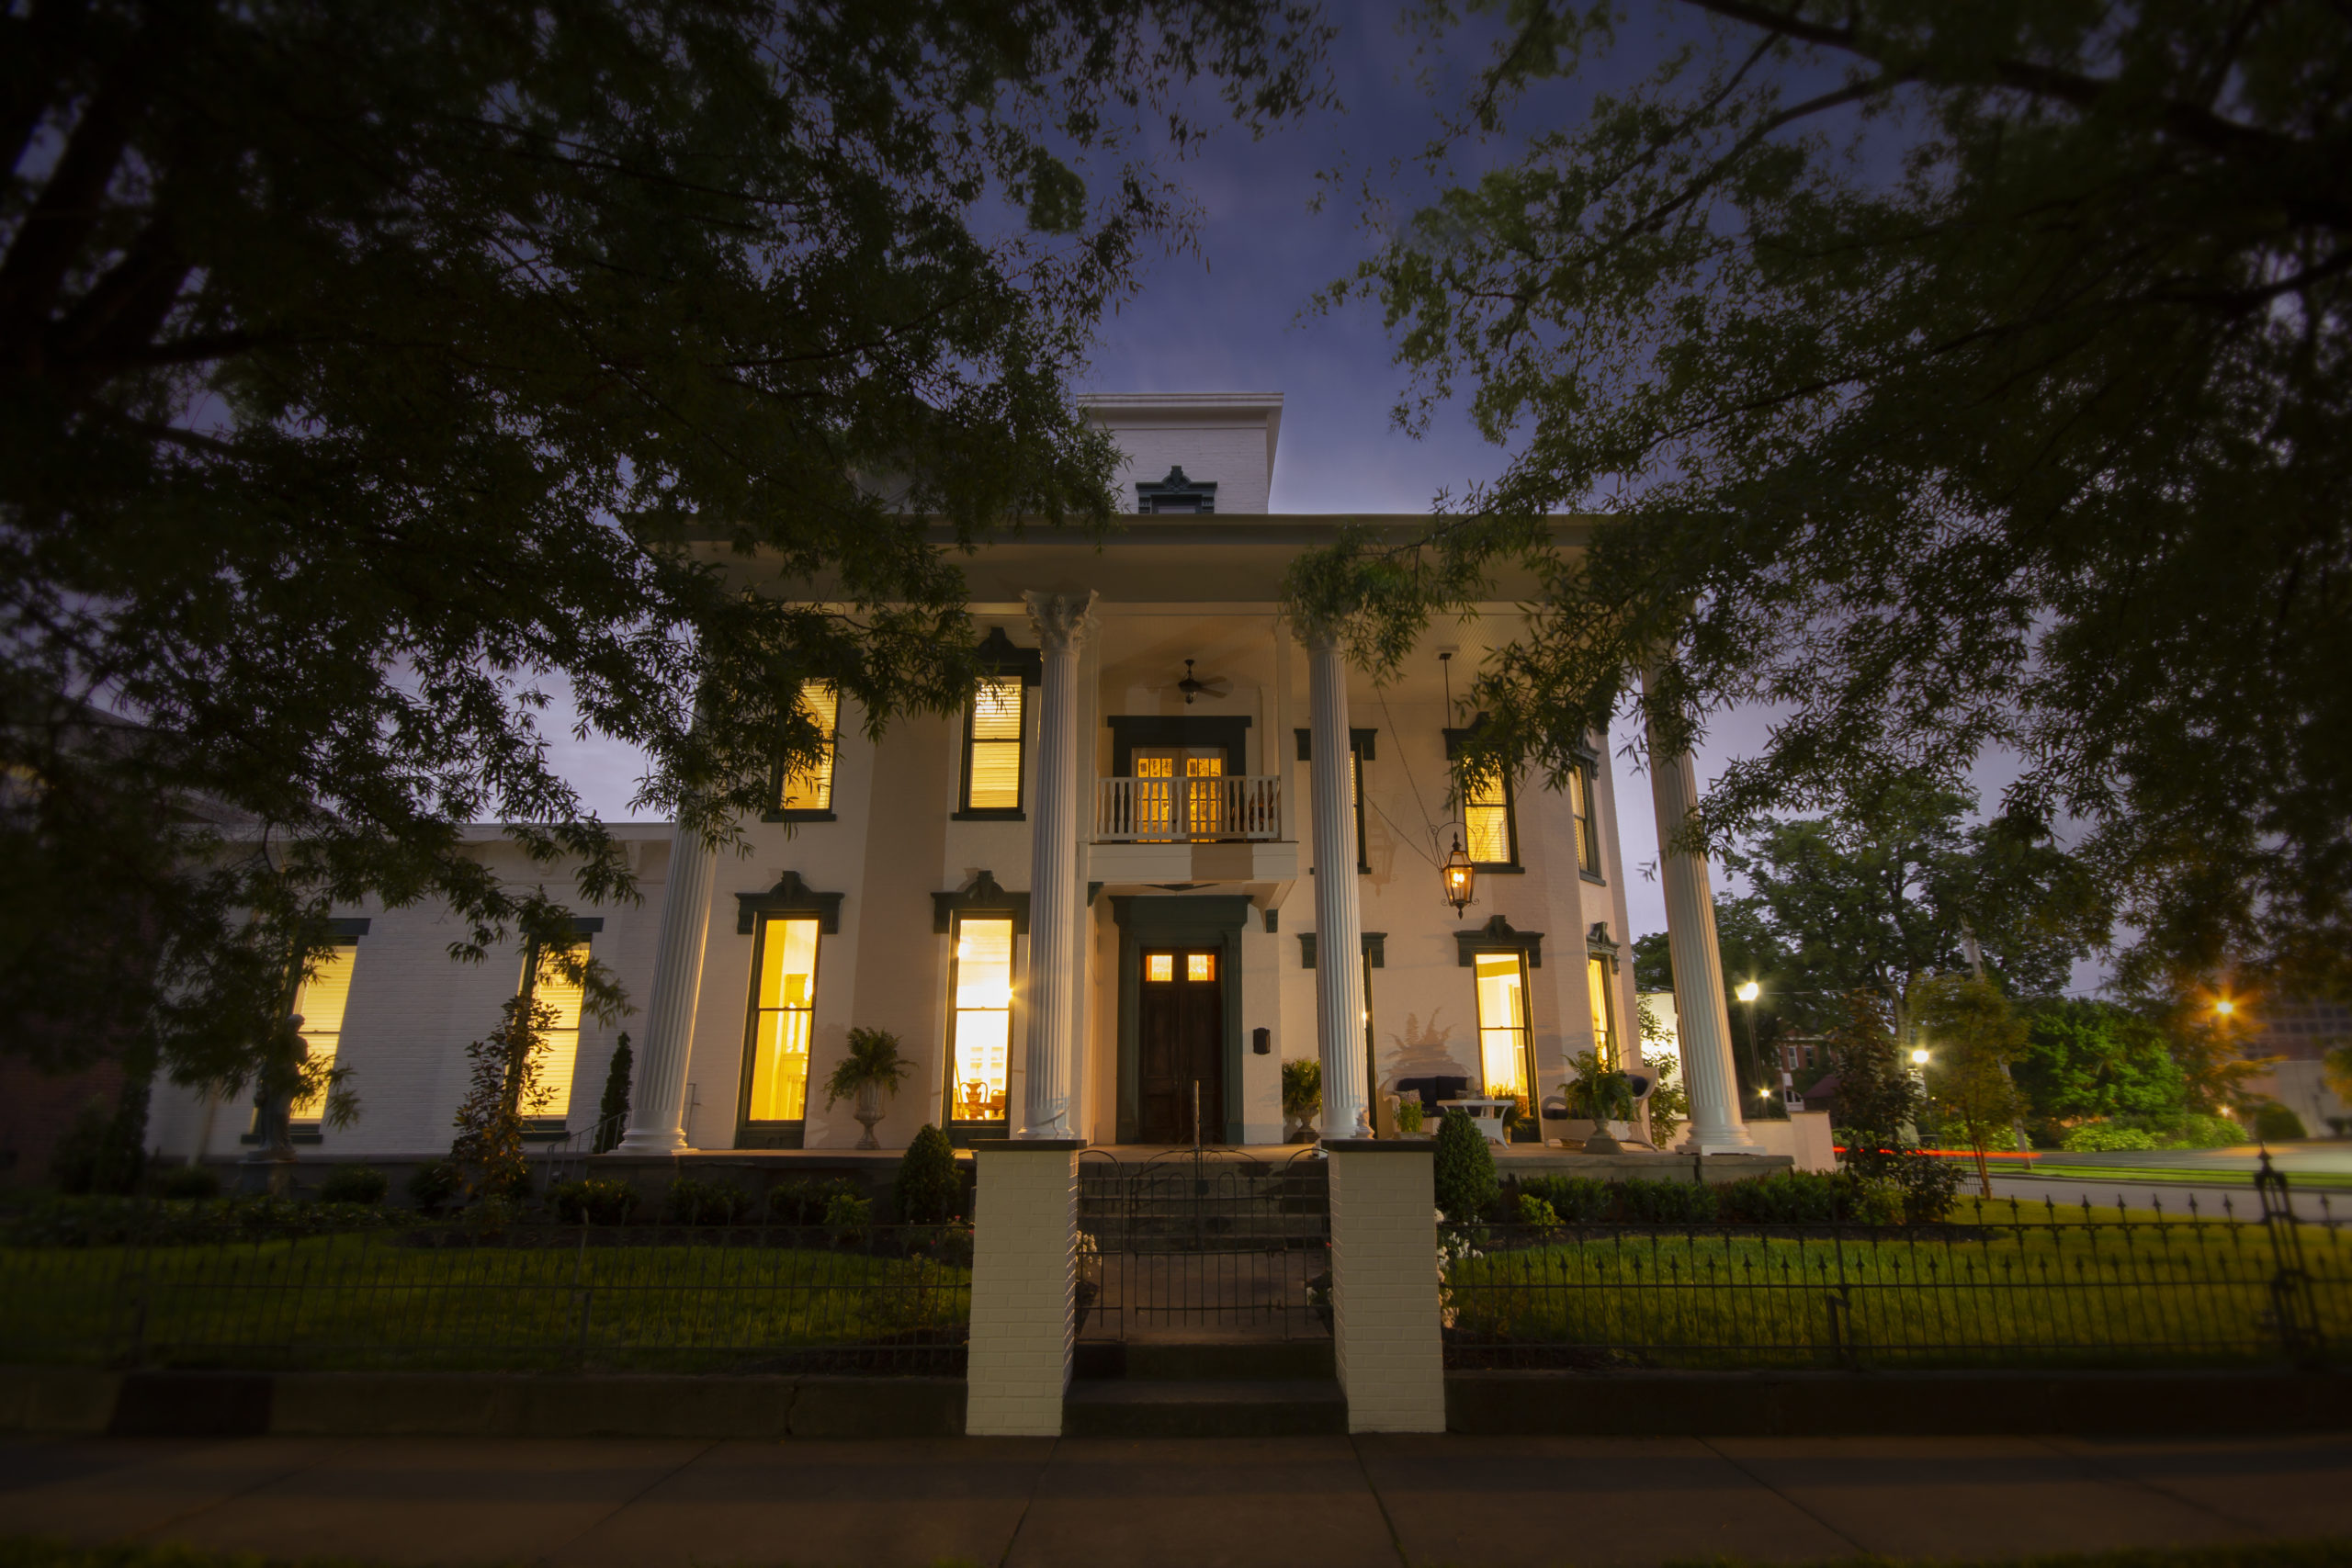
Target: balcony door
[1180,792]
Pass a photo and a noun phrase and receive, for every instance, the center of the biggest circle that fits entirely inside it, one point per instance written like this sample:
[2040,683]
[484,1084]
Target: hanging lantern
[1460,877]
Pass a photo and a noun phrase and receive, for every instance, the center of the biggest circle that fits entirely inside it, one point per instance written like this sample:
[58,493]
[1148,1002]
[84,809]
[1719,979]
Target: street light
[1748,991]
[2224,1006]
[1919,1056]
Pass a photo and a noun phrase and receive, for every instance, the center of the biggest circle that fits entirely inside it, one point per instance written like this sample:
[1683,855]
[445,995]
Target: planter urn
[868,1112]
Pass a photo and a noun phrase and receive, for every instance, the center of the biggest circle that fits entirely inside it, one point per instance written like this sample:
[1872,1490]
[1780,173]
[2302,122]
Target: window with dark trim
[321,1002]
[1505,1054]
[805,793]
[783,1020]
[544,981]
[1580,779]
[980,1031]
[1489,807]
[994,749]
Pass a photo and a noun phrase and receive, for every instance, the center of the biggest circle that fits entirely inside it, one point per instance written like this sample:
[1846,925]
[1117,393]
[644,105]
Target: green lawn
[351,1303]
[1987,1295]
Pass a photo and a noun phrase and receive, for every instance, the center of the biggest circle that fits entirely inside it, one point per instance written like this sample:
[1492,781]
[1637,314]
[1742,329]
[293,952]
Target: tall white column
[1715,1120]
[657,1101]
[1339,921]
[1055,901]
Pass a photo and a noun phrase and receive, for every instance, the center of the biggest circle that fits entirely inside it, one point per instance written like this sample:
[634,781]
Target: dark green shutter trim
[1497,936]
[981,895]
[1376,949]
[790,896]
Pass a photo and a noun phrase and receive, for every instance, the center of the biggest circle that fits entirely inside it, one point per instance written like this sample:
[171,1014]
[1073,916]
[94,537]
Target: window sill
[798,816]
[770,1134]
[990,814]
[299,1135]
[1498,868]
[1593,876]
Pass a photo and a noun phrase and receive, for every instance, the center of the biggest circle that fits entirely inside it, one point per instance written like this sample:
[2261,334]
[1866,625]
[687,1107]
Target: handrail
[1227,809]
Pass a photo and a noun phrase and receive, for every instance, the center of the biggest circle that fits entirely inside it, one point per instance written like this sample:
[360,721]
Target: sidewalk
[1293,1501]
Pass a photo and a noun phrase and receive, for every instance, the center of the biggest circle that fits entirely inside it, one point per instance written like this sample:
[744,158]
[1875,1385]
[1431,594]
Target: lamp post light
[1748,991]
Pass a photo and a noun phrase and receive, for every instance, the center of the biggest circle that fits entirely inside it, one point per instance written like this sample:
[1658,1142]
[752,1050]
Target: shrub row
[1784,1197]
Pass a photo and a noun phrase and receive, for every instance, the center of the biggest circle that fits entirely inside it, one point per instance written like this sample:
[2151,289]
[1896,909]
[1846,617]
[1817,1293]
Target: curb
[85,1402]
[1973,1403]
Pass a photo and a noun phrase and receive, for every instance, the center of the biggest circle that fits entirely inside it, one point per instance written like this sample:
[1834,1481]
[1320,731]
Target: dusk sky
[1234,316]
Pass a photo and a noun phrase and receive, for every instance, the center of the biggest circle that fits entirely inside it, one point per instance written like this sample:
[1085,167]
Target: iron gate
[1203,1242]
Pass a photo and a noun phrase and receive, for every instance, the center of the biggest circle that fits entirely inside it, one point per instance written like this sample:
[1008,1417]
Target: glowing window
[982,1042]
[562,996]
[992,747]
[784,1002]
[1159,967]
[1604,1029]
[320,1003]
[1502,1023]
[810,787]
[1199,966]
[1485,820]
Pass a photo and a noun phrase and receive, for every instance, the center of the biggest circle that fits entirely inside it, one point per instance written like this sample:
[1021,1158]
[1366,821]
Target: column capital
[1064,621]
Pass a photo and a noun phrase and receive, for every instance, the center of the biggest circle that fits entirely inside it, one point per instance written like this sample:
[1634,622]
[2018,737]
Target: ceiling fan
[1192,686]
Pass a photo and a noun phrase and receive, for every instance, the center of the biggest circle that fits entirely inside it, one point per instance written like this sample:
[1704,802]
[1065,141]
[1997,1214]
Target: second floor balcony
[1215,809]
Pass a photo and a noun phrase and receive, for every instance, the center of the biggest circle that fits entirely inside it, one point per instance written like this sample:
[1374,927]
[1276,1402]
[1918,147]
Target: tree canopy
[1949,376]
[1894,888]
[368,373]
[2095,1061]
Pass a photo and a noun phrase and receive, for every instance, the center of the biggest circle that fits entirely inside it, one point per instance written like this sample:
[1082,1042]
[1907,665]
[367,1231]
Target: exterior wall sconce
[1460,877]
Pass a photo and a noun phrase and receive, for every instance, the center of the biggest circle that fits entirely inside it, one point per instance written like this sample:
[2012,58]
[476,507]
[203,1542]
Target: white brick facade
[1024,1275]
[1384,1288]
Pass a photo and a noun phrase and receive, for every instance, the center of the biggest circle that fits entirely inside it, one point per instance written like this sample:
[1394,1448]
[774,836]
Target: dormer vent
[1175,494]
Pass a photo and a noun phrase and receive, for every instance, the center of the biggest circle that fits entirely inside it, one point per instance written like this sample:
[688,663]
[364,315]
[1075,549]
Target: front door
[1180,1041]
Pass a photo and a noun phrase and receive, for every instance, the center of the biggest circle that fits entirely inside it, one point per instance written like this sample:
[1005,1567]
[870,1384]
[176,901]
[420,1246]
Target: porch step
[1204,1360]
[1139,1407]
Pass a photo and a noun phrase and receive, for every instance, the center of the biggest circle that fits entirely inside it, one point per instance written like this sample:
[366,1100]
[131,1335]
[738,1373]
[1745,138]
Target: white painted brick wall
[1384,1289]
[1023,1271]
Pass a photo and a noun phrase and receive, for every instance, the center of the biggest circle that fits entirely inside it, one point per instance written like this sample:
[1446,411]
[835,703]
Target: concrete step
[1189,1359]
[1135,1407]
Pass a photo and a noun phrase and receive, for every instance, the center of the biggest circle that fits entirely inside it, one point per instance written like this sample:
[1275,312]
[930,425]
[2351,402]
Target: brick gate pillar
[1383,1284]
[1024,1271]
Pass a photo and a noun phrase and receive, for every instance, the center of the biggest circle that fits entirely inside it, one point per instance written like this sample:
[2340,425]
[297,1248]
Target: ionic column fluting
[1056,901]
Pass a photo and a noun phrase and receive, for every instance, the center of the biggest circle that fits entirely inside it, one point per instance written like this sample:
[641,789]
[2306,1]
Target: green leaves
[1950,378]
[372,374]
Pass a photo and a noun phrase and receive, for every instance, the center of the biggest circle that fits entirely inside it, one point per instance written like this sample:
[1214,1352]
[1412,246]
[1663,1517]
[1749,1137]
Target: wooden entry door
[1180,1043]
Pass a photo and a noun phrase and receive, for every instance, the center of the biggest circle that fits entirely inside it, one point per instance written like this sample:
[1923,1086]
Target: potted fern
[872,1065]
[1603,1096]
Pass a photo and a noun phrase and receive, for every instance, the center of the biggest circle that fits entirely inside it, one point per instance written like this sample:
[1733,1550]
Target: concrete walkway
[1295,1501]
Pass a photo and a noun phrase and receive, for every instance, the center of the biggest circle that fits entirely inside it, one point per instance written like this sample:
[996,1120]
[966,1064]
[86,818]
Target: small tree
[612,1111]
[1464,1170]
[928,1191]
[1877,1111]
[504,1088]
[1973,1038]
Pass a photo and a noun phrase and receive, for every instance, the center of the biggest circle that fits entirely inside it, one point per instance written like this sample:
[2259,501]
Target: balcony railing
[1235,808]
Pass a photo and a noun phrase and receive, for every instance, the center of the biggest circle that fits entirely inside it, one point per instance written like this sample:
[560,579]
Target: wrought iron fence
[2006,1284]
[742,1298]
[1203,1242]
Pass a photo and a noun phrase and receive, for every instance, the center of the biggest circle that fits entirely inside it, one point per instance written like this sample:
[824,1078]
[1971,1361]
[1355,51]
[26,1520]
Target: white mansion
[1174,843]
